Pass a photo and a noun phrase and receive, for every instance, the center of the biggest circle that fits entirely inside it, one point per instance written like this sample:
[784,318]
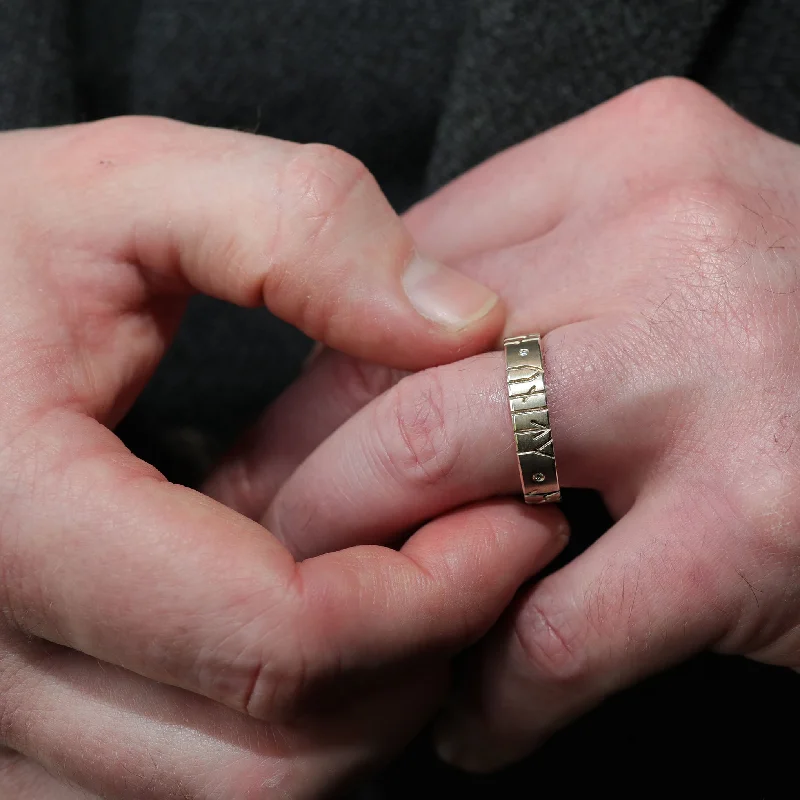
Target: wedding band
[527,396]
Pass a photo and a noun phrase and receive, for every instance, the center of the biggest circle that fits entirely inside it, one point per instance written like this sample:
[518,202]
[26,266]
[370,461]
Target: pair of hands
[159,642]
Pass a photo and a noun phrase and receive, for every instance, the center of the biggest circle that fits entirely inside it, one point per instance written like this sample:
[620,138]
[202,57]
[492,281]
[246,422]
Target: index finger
[302,229]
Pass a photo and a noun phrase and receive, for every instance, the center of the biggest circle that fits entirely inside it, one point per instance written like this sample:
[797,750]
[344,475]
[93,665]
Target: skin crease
[654,241]
[154,643]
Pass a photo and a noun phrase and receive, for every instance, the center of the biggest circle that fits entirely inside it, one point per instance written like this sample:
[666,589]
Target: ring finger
[443,438]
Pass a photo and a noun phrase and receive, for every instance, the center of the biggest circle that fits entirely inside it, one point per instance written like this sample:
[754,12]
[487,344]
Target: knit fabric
[420,90]
[37,66]
[526,65]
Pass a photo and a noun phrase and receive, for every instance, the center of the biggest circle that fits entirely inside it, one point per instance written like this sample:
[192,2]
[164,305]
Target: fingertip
[547,516]
[452,750]
[461,741]
[442,316]
[445,296]
[489,549]
[543,528]
[457,742]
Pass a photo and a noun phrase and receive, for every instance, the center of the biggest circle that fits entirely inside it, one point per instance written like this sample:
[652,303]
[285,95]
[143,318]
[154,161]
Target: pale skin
[652,241]
[155,643]
[655,242]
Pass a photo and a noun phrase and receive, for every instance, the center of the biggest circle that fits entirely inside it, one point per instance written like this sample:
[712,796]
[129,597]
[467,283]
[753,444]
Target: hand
[153,643]
[654,241]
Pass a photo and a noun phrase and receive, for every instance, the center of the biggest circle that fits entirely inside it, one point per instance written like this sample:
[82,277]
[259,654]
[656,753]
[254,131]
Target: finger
[103,555]
[636,602]
[179,589]
[560,289]
[426,409]
[520,194]
[104,730]
[327,394]
[441,592]
[303,229]
[402,460]
[23,779]
[444,437]
[325,398]
[526,191]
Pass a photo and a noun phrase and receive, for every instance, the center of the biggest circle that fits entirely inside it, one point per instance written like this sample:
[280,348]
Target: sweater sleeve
[37,64]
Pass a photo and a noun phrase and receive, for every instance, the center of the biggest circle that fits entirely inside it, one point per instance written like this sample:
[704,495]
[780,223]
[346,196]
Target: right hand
[153,643]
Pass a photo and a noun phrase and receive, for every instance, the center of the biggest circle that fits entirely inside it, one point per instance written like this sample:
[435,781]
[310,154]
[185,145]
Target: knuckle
[672,91]
[709,234]
[317,185]
[256,663]
[133,133]
[687,105]
[267,683]
[766,514]
[276,688]
[414,432]
[729,556]
[726,274]
[552,639]
[681,129]
[88,150]
[72,161]
[707,214]
[264,685]
[316,189]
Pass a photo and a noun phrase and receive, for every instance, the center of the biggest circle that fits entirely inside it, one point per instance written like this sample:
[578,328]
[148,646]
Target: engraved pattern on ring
[531,419]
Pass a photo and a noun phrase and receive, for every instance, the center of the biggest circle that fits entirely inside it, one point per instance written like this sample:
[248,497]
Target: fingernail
[448,751]
[463,741]
[457,744]
[445,296]
[454,753]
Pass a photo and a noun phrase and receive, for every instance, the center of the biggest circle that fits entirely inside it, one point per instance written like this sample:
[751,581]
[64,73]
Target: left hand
[155,644]
[654,241]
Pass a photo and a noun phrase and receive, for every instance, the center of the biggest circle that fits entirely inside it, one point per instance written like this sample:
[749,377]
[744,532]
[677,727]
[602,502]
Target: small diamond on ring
[524,352]
[539,478]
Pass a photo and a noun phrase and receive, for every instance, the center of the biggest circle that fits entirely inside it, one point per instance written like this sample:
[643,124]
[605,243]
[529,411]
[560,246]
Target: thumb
[304,229]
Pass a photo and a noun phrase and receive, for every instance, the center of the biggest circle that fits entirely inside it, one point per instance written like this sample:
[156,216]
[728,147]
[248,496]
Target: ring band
[529,413]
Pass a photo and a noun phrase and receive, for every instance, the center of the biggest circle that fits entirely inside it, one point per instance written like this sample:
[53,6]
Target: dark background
[421,90]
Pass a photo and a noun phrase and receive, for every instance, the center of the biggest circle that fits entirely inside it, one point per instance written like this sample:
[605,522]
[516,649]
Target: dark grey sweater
[421,90]
[418,89]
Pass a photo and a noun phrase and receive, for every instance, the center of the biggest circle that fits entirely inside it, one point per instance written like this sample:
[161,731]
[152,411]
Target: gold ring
[528,402]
